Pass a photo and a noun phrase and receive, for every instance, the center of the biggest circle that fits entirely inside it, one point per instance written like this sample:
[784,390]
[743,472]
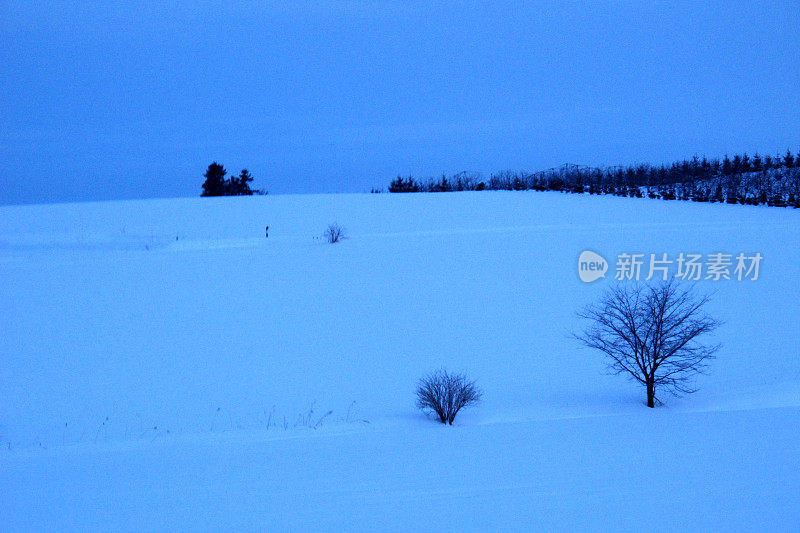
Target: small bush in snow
[334,233]
[446,394]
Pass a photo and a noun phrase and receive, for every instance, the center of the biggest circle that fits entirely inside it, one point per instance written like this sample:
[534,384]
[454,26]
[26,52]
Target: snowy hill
[164,365]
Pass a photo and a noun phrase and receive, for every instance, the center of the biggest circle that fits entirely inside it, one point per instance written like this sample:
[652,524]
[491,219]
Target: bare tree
[446,394]
[650,332]
[334,233]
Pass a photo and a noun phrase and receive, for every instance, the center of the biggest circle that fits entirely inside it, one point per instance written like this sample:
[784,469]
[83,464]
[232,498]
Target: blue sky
[133,100]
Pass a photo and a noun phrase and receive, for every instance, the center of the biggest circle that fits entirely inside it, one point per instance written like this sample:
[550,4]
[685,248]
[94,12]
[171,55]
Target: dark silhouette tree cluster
[404,185]
[756,180]
[217,185]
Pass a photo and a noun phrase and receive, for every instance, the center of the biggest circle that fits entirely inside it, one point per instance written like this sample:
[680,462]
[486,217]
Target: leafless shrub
[650,333]
[446,394]
[334,233]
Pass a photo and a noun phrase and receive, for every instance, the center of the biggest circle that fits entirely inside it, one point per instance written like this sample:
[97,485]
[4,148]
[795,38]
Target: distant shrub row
[773,181]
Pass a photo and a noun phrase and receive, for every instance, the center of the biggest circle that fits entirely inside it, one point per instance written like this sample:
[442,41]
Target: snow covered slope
[164,365]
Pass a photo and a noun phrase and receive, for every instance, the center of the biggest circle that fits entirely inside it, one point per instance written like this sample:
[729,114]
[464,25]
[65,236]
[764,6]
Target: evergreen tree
[215,184]
[241,185]
[690,191]
[788,159]
[727,168]
[696,166]
[745,163]
[757,163]
[717,196]
[701,195]
[736,165]
[705,167]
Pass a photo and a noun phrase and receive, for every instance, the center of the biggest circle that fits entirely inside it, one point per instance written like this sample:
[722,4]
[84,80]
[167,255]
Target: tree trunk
[651,394]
